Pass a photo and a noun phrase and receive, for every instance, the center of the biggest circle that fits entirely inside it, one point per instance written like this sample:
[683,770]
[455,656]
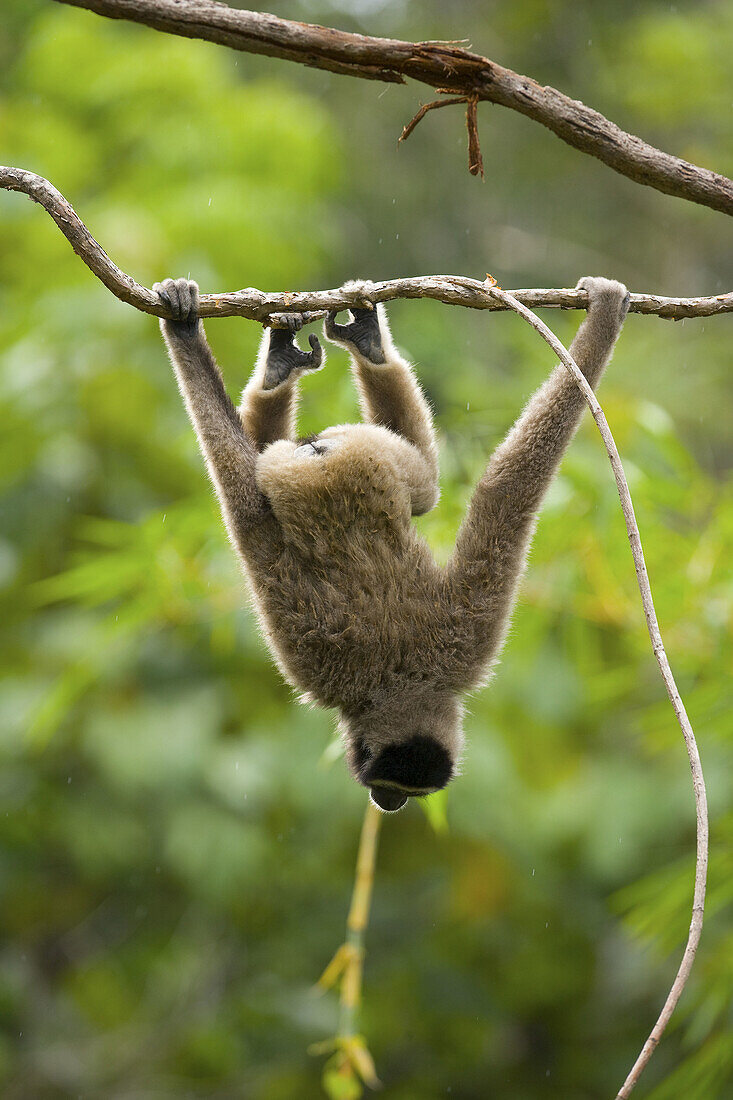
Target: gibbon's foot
[182,298]
[606,293]
[284,356]
[363,334]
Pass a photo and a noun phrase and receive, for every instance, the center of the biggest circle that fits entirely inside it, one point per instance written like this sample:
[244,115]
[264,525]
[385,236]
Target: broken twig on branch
[446,66]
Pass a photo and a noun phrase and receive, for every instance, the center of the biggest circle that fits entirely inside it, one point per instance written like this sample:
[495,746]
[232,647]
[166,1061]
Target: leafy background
[176,844]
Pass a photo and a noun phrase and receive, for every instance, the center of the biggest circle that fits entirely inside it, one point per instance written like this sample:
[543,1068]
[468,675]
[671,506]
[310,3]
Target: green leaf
[435,808]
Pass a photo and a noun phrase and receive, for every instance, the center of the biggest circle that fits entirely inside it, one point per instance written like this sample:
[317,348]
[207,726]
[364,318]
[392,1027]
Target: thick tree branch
[442,65]
[259,306]
[642,577]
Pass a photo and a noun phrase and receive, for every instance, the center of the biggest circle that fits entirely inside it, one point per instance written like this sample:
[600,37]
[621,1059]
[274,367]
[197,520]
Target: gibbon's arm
[492,543]
[230,454]
[270,398]
[389,392]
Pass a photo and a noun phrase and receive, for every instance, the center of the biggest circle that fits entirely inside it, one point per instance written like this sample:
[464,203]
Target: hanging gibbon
[356,611]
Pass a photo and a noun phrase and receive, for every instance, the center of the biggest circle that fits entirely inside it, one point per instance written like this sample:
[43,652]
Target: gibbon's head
[404,750]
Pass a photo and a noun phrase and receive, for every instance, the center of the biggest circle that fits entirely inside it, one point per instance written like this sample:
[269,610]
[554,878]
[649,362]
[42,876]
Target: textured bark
[259,306]
[442,65]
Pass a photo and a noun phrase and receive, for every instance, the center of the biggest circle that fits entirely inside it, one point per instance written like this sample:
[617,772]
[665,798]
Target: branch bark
[442,65]
[257,305]
[642,577]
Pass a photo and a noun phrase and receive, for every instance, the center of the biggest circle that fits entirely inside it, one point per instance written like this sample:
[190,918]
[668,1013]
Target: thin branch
[439,64]
[698,781]
[433,106]
[475,160]
[256,305]
[358,919]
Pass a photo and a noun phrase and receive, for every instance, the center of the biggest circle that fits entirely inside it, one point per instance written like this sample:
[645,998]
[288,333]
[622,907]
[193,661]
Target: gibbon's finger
[193,311]
[172,289]
[315,359]
[162,294]
[184,297]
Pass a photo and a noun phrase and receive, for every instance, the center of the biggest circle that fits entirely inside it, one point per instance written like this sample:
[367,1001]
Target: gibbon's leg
[494,538]
[388,389]
[229,453]
[270,398]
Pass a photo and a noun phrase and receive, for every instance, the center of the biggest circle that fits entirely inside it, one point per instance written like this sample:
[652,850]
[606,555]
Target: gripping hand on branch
[285,359]
[181,296]
[363,334]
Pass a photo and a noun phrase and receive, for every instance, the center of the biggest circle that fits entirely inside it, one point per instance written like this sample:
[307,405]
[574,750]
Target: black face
[417,766]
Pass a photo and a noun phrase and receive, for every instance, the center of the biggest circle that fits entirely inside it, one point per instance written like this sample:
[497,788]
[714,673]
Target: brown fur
[354,608]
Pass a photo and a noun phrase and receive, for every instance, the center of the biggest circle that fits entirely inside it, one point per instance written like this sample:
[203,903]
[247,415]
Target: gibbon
[358,615]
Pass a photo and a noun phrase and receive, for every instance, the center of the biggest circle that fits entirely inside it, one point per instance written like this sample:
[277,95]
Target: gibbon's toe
[332,329]
[292,322]
[316,352]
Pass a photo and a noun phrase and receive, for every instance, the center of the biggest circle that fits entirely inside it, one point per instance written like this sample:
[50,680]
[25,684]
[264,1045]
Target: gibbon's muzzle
[388,799]
[416,766]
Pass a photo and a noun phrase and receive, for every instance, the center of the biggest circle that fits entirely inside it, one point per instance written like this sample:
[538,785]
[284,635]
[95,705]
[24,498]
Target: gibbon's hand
[284,357]
[182,298]
[363,334]
[606,293]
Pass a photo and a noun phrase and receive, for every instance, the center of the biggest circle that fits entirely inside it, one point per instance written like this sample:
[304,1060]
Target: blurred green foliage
[176,840]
